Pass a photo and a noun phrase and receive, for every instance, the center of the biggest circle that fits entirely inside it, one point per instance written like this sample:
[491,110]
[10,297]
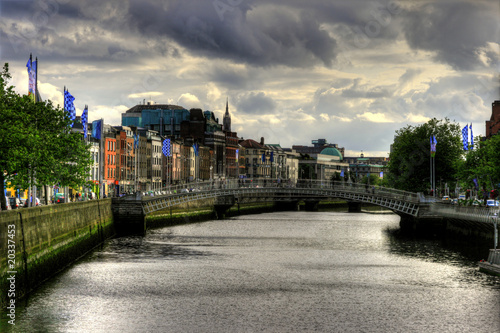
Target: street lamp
[494,217]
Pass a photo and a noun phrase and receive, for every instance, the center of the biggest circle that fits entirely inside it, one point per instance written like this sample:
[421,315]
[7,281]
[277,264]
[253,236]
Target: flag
[475,183]
[31,78]
[381,175]
[195,148]
[136,141]
[272,157]
[263,157]
[69,106]
[342,173]
[166,148]
[433,145]
[85,117]
[96,129]
[237,153]
[465,137]
[471,138]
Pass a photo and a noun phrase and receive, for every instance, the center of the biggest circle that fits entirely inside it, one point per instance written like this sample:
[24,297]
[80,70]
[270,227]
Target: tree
[409,162]
[482,163]
[37,144]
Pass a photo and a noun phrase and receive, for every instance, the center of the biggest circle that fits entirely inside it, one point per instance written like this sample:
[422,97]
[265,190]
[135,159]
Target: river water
[276,272]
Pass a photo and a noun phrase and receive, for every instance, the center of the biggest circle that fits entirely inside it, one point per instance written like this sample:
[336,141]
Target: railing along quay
[470,213]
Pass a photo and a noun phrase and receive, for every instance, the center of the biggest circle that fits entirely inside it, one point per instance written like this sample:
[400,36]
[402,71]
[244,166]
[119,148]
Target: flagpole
[36,80]
[101,164]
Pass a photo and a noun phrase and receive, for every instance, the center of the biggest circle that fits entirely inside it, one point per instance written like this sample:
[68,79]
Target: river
[275,272]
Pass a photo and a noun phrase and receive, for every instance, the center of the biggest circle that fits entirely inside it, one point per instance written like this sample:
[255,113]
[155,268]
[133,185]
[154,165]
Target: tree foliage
[409,164]
[37,144]
[483,164]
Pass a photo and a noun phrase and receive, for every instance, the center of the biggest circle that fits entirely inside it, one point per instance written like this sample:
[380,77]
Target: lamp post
[494,217]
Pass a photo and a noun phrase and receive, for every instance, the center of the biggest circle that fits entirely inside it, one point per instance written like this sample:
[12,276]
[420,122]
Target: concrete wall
[37,242]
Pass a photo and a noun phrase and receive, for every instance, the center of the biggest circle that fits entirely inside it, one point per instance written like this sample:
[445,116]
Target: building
[110,160]
[125,165]
[166,119]
[323,165]
[316,148]
[154,157]
[215,139]
[278,161]
[257,159]
[493,125]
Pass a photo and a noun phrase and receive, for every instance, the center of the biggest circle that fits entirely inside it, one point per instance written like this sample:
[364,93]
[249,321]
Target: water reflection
[281,272]
[439,250]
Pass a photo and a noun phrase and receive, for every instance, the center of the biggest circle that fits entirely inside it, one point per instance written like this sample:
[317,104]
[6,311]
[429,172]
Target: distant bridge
[227,193]
[274,190]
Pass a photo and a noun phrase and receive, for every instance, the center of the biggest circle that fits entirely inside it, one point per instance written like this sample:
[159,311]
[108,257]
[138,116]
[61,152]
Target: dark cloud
[255,103]
[455,30]
[242,33]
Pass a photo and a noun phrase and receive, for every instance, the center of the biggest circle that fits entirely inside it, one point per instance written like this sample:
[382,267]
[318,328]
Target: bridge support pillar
[311,206]
[286,205]
[222,204]
[354,206]
[129,216]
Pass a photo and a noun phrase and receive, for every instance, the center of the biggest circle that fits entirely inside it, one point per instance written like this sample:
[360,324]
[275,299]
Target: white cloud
[189,101]
[375,117]
[146,94]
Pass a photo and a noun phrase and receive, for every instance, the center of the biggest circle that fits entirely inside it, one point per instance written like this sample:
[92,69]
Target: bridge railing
[473,213]
[279,183]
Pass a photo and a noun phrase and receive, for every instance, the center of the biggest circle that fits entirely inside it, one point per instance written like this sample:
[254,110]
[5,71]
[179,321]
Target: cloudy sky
[349,71]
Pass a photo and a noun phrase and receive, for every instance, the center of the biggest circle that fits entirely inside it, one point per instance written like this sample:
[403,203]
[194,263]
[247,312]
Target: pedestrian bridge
[229,192]
[132,209]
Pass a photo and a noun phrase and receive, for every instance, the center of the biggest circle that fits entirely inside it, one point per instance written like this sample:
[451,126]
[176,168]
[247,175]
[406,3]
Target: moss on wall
[48,238]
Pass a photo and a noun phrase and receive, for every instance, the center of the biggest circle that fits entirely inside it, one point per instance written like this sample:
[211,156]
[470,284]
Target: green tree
[482,163]
[37,144]
[409,163]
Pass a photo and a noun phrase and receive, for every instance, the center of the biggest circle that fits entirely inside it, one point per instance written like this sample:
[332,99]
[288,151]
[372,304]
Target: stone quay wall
[36,243]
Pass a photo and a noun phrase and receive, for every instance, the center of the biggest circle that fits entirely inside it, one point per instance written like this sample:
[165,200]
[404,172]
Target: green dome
[332,152]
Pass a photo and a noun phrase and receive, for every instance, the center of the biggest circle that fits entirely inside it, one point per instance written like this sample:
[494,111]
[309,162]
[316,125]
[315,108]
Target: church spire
[227,118]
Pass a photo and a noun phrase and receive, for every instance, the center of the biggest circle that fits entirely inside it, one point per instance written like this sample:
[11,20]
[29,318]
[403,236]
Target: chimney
[262,140]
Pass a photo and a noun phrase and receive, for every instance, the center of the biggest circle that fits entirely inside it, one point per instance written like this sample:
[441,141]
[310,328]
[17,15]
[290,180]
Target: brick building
[493,125]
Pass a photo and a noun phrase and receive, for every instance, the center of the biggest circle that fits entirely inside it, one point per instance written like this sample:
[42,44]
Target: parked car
[59,198]
[37,202]
[446,199]
[15,203]
[492,203]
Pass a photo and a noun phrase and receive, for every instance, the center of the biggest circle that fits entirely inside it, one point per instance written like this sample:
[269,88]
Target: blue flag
[85,117]
[166,148]
[342,173]
[465,137]
[96,129]
[272,157]
[433,145]
[31,78]
[69,106]
[195,148]
[136,141]
[263,157]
